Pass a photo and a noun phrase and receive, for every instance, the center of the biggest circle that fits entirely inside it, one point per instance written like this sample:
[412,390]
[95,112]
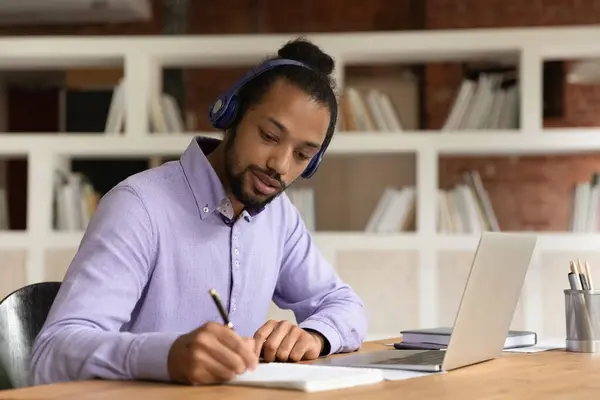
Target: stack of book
[438,338]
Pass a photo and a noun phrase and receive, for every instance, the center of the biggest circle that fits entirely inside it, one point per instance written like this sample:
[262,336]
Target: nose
[280,159]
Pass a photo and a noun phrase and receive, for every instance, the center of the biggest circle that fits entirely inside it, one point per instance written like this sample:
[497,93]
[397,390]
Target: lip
[264,184]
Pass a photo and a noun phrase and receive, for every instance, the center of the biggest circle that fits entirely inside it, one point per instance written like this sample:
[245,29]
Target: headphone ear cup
[216,111]
[228,115]
[232,113]
[313,165]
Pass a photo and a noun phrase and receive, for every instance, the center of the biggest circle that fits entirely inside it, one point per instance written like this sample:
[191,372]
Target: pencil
[588,274]
[582,276]
[221,309]
[576,275]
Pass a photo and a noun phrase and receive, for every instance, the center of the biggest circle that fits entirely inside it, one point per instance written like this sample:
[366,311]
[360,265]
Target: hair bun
[308,53]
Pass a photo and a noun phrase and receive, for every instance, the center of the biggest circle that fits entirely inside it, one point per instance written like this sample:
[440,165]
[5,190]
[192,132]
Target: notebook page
[306,377]
[545,345]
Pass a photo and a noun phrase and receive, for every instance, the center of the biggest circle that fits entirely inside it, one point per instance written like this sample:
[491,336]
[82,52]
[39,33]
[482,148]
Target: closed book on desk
[441,336]
[306,377]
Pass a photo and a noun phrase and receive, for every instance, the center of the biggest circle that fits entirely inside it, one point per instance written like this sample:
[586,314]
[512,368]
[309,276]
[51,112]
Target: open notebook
[306,377]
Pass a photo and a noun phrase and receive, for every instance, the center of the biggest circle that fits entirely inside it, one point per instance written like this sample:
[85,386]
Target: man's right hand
[212,353]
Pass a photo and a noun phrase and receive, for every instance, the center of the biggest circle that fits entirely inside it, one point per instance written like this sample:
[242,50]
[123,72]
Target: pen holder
[582,312]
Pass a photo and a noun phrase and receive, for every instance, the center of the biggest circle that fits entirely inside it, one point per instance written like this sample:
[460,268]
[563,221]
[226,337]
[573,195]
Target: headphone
[224,110]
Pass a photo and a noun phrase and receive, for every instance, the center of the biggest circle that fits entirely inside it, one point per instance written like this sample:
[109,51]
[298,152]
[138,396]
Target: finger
[288,342]
[200,376]
[243,347]
[262,334]
[272,343]
[300,349]
[218,370]
[216,349]
[251,344]
[238,345]
[228,337]
[252,357]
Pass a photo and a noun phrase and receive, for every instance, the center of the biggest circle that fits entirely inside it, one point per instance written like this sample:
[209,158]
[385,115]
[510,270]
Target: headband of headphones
[223,111]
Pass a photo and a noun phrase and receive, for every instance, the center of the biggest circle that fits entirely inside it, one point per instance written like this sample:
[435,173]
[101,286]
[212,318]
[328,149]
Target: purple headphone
[223,111]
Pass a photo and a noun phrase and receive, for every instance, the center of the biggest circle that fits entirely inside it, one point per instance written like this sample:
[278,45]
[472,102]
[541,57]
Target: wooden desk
[550,374]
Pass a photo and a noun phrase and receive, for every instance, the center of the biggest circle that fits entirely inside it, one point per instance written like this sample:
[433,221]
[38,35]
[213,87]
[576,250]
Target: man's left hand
[284,341]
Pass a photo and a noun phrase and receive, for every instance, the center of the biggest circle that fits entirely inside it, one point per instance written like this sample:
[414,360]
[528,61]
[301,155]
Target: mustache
[270,173]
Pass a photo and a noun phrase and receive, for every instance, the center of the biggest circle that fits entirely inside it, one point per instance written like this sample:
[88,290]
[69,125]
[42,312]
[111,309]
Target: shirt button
[237,263]
[205,209]
[236,252]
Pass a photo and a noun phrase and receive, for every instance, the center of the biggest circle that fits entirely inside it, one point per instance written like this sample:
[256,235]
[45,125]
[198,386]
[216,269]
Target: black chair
[22,315]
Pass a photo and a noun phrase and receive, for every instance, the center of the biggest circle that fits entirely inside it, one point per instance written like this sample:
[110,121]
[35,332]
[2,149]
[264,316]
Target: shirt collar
[206,186]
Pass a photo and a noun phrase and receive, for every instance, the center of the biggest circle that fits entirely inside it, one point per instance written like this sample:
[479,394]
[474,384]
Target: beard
[240,180]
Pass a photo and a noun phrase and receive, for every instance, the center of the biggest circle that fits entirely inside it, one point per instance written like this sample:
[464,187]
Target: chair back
[22,315]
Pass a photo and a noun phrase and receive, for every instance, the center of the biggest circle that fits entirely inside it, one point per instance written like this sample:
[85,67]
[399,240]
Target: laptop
[484,315]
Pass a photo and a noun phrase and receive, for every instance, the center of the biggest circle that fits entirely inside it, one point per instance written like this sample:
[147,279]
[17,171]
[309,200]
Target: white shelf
[547,242]
[393,46]
[549,141]
[63,240]
[14,240]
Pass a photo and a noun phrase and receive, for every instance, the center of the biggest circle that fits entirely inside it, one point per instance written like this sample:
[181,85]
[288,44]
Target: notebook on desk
[306,377]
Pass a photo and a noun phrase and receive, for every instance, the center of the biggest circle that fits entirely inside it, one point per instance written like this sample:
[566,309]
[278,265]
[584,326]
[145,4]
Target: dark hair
[317,83]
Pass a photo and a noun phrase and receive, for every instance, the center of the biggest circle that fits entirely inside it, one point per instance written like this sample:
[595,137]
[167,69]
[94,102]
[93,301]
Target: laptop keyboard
[434,357]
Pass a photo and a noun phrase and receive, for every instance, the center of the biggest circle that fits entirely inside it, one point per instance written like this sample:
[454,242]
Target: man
[135,302]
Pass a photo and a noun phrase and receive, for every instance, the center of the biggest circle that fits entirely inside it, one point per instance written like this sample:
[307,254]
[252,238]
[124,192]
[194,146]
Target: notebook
[306,377]
[441,336]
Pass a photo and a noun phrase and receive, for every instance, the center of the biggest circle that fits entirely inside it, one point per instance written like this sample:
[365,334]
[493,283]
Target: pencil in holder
[582,312]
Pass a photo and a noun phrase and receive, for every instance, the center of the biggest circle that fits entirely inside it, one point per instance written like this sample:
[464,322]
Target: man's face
[273,144]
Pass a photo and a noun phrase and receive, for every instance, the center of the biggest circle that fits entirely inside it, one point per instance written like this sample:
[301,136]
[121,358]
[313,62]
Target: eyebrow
[278,124]
[284,129]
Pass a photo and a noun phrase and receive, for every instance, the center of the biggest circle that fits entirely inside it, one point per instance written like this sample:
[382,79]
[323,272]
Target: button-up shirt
[158,242]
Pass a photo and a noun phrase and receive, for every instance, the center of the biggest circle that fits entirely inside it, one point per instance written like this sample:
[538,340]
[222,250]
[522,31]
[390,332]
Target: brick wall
[150,27]
[528,193]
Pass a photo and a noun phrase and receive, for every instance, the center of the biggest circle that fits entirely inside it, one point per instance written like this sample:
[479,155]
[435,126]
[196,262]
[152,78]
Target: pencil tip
[212,291]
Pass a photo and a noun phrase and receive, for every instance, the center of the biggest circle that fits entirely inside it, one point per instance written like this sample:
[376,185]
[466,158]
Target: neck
[217,160]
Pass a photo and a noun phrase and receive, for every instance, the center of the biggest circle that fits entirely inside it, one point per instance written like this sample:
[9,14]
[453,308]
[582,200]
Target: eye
[267,136]
[302,156]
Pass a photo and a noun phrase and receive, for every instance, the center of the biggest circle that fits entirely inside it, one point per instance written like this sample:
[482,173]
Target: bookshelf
[416,263]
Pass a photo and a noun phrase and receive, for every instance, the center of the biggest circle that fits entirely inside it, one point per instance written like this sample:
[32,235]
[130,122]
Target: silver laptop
[484,315]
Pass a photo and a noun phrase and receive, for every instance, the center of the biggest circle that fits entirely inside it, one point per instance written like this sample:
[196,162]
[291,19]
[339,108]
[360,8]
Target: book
[307,377]
[441,336]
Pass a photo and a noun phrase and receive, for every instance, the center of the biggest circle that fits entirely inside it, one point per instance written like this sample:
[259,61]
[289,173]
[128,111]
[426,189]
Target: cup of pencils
[582,310]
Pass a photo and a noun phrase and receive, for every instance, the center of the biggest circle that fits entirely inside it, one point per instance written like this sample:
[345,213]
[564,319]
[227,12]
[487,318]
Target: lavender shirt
[156,245]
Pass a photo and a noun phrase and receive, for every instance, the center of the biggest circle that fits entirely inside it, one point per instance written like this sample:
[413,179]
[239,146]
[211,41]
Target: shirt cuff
[150,356]
[325,329]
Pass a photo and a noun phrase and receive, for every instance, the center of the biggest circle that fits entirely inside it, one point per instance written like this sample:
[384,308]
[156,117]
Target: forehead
[302,116]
